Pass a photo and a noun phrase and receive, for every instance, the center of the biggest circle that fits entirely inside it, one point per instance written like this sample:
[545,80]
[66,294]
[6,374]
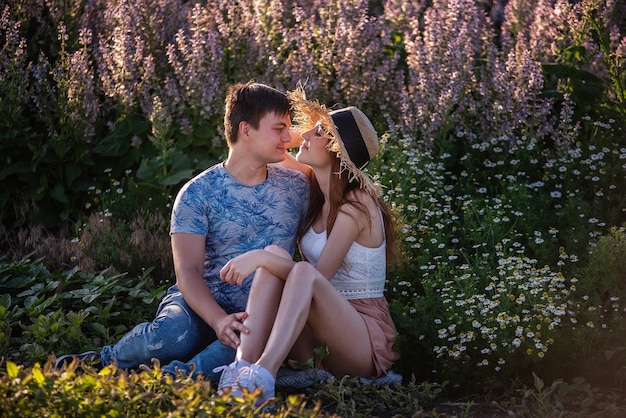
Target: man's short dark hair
[250,102]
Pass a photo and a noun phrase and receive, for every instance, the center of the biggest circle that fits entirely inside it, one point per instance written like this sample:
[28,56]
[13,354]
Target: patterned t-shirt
[236,219]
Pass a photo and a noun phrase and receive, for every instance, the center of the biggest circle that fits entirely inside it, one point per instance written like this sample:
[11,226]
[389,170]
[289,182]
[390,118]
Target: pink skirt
[375,313]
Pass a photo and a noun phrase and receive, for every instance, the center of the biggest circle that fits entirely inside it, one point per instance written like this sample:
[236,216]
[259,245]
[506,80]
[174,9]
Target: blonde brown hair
[339,192]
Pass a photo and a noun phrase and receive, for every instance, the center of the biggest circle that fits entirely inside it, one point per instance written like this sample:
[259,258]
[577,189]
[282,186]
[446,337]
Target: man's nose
[290,136]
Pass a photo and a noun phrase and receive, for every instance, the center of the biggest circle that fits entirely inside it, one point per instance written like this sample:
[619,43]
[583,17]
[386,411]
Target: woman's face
[313,150]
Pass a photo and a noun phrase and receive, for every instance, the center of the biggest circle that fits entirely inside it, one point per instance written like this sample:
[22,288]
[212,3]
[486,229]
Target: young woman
[334,298]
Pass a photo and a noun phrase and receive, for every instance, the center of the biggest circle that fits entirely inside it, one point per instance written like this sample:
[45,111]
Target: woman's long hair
[340,188]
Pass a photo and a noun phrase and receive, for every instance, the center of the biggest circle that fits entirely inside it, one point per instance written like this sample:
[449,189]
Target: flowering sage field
[504,157]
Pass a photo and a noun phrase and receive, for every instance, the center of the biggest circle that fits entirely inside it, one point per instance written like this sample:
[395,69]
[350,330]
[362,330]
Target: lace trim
[361,293]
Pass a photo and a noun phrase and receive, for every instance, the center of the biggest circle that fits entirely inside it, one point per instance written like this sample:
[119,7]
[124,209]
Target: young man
[246,202]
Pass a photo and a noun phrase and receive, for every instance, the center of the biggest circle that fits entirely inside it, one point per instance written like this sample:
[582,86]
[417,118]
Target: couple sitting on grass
[234,229]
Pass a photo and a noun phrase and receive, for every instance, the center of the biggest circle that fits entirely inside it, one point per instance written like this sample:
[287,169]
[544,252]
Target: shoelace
[228,377]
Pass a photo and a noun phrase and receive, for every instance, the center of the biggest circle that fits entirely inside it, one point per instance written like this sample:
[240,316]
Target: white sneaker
[228,379]
[255,377]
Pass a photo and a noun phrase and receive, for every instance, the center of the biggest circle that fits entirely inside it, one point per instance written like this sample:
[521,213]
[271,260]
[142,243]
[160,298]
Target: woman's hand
[228,327]
[240,267]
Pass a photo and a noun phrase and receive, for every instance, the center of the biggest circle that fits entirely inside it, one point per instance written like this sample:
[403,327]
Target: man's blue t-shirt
[236,219]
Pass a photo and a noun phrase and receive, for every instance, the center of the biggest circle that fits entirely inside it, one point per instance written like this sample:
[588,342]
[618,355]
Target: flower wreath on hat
[308,113]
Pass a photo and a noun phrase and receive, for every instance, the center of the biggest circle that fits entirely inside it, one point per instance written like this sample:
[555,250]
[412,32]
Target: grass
[80,390]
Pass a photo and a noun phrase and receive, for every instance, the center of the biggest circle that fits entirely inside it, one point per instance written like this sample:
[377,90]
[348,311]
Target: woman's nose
[307,134]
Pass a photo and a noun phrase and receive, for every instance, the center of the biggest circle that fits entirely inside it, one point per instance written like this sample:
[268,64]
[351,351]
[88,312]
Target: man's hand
[228,327]
[240,267]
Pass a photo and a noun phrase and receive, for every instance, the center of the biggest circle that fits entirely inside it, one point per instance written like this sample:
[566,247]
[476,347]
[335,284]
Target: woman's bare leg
[263,302]
[302,349]
[309,298]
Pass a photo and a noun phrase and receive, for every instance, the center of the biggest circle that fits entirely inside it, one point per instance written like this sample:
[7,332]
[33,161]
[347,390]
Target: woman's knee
[275,249]
[264,278]
[301,269]
[304,272]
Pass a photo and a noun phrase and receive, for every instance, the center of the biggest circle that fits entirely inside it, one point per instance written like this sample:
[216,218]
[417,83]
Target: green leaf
[19,282]
[111,146]
[90,297]
[18,168]
[203,131]
[138,124]
[72,172]
[30,301]
[5,300]
[180,162]
[587,76]
[12,369]
[177,177]
[147,171]
[37,375]
[538,382]
[58,194]
[100,329]
[41,190]
[121,129]
[560,70]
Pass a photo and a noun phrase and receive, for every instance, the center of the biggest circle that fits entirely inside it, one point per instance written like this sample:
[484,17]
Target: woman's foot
[251,377]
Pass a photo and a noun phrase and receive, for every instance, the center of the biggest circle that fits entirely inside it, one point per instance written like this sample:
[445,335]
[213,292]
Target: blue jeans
[176,333]
[215,355]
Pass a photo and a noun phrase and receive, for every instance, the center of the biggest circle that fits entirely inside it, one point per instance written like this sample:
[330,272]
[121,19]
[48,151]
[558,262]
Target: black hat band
[351,137]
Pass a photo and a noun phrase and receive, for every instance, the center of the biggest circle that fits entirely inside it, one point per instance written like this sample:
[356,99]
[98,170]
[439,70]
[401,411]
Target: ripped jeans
[177,334]
[202,365]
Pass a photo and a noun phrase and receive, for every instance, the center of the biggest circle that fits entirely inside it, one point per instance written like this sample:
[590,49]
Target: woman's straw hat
[352,136]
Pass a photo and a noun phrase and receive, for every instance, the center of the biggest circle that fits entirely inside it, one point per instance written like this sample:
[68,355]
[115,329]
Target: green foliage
[575,398]
[54,134]
[495,236]
[348,397]
[585,88]
[614,61]
[513,261]
[571,74]
[46,312]
[14,91]
[158,154]
[41,391]
[173,157]
[607,266]
[50,169]
[602,355]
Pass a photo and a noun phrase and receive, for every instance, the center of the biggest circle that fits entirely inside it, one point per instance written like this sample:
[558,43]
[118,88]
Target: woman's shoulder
[363,201]
[362,197]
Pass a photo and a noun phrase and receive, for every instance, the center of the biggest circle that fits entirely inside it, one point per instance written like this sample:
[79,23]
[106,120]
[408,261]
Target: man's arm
[188,251]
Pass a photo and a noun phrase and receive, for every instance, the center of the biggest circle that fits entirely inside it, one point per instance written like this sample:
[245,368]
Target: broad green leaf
[176,177]
[5,300]
[58,194]
[72,172]
[12,369]
[37,375]
[90,297]
[101,329]
[17,168]
[146,171]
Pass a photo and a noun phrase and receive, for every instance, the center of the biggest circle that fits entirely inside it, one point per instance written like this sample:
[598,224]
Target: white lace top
[363,271]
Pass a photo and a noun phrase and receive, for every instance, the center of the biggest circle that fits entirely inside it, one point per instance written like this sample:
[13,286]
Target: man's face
[269,140]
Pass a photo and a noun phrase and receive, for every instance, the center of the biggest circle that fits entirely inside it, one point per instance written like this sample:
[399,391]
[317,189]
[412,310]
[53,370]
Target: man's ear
[244,129]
